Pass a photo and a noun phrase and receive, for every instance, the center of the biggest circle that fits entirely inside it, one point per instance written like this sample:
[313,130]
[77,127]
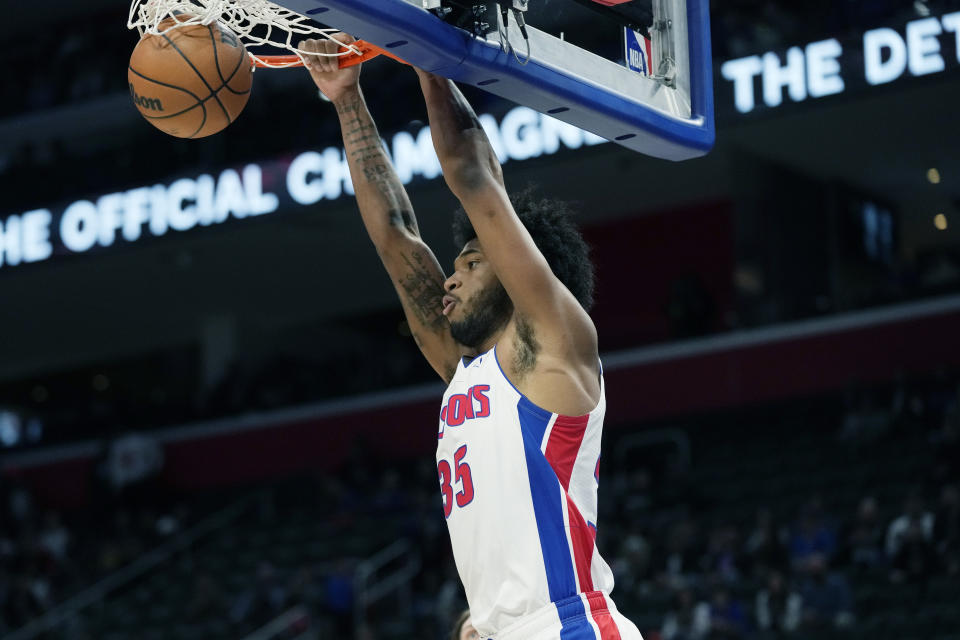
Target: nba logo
[638,52]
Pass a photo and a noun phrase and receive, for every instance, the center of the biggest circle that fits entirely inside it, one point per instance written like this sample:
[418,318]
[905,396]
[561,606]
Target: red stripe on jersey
[581,536]
[601,615]
[564,445]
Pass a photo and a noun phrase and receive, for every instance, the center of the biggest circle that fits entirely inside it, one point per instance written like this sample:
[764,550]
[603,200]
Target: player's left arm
[473,173]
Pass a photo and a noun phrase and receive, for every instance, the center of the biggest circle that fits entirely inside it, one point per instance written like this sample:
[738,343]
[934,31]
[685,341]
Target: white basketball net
[275,25]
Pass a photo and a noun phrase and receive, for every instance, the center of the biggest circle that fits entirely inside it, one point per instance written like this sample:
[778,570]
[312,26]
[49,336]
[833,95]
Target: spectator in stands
[338,597]
[946,529]
[169,523]
[631,567]
[39,589]
[865,420]
[680,561]
[263,601]
[722,559]
[778,607]
[864,541]
[637,496]
[827,601]
[914,515]
[687,620]
[54,538]
[122,545]
[915,557]
[304,587]
[463,628]
[390,497]
[765,547]
[812,536]
[946,467]
[728,618]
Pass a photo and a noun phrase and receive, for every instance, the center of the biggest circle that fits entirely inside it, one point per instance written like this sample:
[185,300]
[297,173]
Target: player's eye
[472,264]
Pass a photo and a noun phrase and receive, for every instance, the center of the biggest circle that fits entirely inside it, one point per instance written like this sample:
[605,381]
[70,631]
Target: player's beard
[485,312]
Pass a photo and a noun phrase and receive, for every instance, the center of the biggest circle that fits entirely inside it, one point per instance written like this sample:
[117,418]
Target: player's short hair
[551,226]
[458,626]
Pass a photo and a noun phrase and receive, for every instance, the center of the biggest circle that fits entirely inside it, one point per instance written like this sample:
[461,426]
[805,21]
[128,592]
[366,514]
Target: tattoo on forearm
[360,135]
[365,149]
[351,106]
[376,173]
[421,282]
[366,154]
[423,290]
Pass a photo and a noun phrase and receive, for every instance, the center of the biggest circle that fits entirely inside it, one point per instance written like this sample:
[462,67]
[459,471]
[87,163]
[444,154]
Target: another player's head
[484,306]
[463,629]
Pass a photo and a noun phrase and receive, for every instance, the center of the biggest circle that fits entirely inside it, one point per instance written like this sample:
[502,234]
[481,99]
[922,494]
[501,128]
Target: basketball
[192,81]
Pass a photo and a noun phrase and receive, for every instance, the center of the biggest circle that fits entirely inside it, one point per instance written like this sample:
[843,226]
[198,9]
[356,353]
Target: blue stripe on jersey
[573,620]
[578,628]
[547,509]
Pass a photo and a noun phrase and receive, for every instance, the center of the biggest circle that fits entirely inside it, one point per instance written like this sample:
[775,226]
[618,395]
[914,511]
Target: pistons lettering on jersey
[465,406]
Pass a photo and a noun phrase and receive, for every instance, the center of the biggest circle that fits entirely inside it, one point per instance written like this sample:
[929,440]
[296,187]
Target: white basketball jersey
[519,487]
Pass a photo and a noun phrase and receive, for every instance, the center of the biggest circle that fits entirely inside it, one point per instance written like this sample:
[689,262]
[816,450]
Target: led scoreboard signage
[926,46]
[253,190]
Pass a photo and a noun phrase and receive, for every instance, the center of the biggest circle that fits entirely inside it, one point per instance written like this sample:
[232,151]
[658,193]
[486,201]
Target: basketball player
[519,431]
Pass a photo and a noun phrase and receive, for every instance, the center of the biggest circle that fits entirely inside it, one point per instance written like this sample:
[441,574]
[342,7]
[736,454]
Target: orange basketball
[191,81]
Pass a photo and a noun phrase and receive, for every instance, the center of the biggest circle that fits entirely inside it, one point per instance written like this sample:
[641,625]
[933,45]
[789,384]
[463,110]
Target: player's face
[467,632]
[476,304]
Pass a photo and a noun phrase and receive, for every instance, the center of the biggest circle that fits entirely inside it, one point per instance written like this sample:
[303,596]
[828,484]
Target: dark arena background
[219,427]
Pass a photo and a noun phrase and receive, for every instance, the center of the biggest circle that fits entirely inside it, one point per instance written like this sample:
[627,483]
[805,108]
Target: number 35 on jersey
[456,482]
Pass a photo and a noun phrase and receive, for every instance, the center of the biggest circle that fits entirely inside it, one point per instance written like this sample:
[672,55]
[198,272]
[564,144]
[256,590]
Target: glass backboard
[653,95]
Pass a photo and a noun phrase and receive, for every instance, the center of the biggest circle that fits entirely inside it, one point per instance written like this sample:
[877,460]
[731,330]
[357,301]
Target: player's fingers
[317,54]
[309,48]
[326,59]
[323,55]
[340,43]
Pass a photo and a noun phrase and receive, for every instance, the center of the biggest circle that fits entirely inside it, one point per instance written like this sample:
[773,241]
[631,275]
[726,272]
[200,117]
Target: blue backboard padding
[701,67]
[427,42]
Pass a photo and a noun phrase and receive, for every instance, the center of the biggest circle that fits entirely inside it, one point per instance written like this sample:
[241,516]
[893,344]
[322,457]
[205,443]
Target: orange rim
[367,51]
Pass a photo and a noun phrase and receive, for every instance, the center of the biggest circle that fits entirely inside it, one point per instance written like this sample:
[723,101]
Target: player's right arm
[386,211]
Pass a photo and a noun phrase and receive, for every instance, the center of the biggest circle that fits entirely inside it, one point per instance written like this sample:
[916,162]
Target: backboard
[663,109]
